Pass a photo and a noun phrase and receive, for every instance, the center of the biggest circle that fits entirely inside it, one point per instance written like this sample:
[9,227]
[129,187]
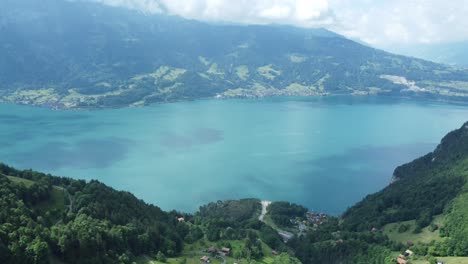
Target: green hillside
[78,54]
[46,219]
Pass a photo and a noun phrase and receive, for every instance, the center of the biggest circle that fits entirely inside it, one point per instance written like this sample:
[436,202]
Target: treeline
[238,220]
[282,212]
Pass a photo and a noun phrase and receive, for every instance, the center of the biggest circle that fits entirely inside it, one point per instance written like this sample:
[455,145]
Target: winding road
[265,205]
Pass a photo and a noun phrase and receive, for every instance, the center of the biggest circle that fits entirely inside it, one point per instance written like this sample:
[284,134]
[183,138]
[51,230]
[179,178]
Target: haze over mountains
[76,54]
[449,53]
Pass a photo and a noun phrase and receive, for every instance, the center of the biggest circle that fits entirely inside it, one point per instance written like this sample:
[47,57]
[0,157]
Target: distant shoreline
[460,101]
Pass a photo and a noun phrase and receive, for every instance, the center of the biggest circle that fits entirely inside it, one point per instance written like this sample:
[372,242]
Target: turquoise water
[324,153]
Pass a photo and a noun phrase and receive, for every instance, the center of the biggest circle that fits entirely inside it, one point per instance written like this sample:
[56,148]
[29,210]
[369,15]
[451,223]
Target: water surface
[324,153]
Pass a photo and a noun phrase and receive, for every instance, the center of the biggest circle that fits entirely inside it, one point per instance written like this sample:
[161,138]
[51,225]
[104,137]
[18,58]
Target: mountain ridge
[86,55]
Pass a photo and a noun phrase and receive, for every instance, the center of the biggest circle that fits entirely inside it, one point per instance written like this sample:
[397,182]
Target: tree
[161,257]
[38,252]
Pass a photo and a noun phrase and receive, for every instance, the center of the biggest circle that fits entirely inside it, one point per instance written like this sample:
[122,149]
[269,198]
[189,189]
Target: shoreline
[459,101]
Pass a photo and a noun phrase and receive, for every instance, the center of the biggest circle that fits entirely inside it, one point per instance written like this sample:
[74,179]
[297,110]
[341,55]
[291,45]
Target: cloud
[386,23]
[296,12]
[379,22]
[146,6]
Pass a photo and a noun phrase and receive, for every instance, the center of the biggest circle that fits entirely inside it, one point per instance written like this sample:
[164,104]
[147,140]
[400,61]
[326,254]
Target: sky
[380,23]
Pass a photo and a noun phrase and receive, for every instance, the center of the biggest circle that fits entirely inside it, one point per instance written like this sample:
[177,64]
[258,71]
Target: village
[216,253]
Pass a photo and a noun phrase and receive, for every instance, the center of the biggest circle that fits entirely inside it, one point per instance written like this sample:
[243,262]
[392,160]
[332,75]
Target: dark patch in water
[92,153]
[14,137]
[71,117]
[207,136]
[74,129]
[176,141]
[200,136]
[39,119]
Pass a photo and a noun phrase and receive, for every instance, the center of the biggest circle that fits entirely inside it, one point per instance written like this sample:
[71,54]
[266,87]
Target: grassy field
[446,260]
[27,183]
[426,236]
[454,260]
[193,252]
[56,201]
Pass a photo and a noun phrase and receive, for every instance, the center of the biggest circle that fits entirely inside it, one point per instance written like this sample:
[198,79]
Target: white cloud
[295,12]
[382,23]
[146,6]
[386,23]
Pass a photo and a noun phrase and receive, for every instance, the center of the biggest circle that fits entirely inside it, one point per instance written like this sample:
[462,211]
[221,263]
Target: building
[401,259]
[205,259]
[226,251]
[212,250]
[409,253]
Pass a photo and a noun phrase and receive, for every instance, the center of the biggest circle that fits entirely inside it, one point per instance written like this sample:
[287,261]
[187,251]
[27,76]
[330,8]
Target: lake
[324,153]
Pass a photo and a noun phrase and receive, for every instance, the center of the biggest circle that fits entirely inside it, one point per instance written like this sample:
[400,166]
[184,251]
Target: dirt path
[70,205]
[265,205]
[284,234]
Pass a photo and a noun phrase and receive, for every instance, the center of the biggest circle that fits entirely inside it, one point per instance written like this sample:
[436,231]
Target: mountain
[75,54]
[47,219]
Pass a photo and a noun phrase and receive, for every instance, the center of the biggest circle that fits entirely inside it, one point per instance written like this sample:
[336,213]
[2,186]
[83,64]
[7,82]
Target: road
[284,234]
[265,205]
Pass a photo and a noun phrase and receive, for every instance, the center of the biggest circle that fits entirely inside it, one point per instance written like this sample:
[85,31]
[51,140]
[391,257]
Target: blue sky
[381,23]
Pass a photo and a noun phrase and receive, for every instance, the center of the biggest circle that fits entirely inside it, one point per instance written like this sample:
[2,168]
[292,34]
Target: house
[401,260]
[409,253]
[212,250]
[181,219]
[286,236]
[205,259]
[440,262]
[226,251]
[274,253]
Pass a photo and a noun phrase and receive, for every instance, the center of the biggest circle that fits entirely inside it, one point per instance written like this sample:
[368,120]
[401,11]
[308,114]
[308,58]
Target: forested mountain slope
[73,54]
[420,189]
[424,210]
